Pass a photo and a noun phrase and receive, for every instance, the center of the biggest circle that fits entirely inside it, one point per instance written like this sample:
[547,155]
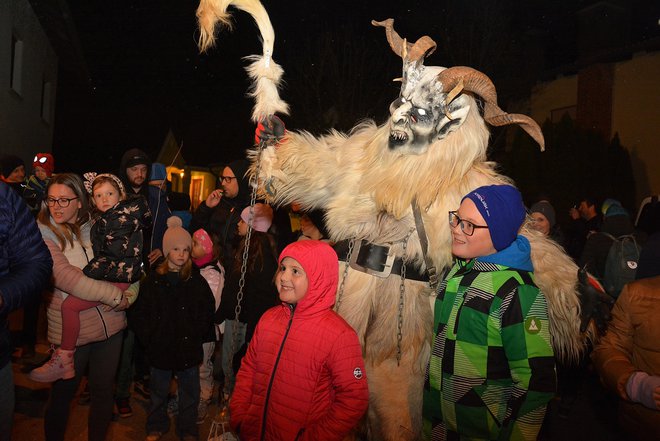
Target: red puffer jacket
[303,375]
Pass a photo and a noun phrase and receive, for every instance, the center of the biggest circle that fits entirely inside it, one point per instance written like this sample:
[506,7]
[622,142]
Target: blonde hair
[184,273]
[66,232]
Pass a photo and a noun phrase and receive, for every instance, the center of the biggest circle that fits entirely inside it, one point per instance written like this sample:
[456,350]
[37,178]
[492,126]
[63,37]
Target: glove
[640,388]
[270,131]
[595,303]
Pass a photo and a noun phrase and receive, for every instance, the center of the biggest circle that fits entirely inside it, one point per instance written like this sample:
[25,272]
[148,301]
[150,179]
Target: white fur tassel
[264,72]
[265,78]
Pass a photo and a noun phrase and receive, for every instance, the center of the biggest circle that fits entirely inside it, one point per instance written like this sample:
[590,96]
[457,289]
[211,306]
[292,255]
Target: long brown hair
[261,244]
[66,232]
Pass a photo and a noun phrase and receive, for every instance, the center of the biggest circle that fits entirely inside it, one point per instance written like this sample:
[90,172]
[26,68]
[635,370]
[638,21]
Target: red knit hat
[45,161]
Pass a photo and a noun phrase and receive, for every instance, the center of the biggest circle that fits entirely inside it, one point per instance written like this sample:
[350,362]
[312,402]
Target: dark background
[142,74]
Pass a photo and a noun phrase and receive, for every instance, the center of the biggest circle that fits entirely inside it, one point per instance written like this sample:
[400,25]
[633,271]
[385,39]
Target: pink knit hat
[175,235]
[205,241]
[262,217]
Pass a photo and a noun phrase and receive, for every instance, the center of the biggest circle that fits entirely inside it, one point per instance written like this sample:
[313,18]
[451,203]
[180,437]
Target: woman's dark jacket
[259,292]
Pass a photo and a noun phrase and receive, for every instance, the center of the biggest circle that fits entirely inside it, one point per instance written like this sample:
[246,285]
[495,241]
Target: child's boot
[59,366]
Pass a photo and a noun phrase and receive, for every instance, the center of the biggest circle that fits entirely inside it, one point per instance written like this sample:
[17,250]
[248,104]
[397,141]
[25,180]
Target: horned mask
[433,101]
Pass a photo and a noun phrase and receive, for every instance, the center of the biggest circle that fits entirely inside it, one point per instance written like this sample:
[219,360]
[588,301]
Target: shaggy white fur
[367,190]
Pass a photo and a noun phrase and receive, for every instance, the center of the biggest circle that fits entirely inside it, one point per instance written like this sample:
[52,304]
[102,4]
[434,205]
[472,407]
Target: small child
[43,166]
[492,369]
[303,375]
[117,244]
[205,254]
[173,315]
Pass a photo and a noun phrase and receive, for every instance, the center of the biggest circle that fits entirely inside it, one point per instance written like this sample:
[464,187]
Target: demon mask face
[420,115]
[432,102]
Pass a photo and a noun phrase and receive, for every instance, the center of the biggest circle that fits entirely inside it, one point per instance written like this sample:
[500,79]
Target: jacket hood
[240,168]
[517,255]
[321,266]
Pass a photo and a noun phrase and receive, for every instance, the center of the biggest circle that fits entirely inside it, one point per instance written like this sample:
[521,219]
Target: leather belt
[376,260]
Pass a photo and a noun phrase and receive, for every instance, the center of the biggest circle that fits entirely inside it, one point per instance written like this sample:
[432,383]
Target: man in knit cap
[220,212]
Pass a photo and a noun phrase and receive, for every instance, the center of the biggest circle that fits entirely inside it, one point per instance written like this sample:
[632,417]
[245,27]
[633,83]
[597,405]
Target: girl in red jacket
[303,375]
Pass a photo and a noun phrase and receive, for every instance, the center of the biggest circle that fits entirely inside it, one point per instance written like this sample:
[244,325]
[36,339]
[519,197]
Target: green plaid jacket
[492,369]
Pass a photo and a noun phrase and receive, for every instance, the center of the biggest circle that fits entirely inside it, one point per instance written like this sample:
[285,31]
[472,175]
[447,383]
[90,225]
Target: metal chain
[254,181]
[402,292]
[340,291]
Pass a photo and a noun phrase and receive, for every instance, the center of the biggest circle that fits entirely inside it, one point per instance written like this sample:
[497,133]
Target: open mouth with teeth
[398,138]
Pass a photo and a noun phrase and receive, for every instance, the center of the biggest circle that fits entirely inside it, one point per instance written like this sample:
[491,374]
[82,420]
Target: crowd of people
[143,295]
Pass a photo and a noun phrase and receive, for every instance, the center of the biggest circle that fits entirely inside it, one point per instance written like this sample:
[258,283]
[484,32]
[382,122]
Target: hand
[596,304]
[123,304]
[154,255]
[213,199]
[270,131]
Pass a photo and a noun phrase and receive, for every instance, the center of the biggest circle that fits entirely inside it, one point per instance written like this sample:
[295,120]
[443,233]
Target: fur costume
[433,151]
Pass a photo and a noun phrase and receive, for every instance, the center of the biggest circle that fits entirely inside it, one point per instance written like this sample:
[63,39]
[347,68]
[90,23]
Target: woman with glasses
[64,224]
[492,371]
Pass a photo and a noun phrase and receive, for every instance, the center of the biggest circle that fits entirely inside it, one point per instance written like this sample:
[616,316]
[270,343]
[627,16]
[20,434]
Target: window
[16,74]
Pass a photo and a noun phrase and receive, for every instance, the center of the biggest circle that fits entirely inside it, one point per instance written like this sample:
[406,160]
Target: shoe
[123,407]
[59,366]
[172,405]
[142,388]
[154,436]
[202,411]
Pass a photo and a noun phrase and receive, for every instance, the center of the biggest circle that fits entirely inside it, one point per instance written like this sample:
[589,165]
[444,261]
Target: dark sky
[146,75]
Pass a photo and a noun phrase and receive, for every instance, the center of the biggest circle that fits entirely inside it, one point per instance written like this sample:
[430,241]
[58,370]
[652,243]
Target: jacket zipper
[272,376]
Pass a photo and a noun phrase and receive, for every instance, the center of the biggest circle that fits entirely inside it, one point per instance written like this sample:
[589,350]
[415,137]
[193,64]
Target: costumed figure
[386,191]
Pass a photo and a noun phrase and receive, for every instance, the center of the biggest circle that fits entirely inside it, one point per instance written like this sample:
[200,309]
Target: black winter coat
[171,317]
[259,292]
[117,242]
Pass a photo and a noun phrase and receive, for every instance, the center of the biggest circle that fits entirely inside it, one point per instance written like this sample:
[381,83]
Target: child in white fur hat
[173,315]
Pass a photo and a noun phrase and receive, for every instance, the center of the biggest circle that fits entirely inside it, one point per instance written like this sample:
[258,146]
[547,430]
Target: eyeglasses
[62,202]
[226,179]
[467,227]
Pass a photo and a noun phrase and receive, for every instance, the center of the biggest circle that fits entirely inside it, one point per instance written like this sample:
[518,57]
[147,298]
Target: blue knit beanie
[503,210]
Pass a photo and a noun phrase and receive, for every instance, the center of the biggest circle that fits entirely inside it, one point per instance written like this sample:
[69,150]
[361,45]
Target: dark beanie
[134,157]
[546,210]
[503,210]
[9,163]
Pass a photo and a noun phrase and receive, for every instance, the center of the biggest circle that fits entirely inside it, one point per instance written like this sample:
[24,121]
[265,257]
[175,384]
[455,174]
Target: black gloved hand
[270,131]
[596,304]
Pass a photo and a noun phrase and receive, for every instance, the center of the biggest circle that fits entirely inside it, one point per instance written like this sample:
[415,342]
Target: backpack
[621,263]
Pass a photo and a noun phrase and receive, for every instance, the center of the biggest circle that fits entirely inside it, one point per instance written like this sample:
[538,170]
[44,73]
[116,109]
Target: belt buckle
[387,269]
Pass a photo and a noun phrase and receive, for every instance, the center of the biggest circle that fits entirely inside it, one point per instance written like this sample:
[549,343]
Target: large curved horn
[410,52]
[472,80]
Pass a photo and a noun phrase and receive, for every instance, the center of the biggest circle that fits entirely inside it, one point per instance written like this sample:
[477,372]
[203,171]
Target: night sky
[146,75]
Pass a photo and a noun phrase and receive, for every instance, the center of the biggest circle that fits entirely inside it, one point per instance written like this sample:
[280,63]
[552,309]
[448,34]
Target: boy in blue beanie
[492,370]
